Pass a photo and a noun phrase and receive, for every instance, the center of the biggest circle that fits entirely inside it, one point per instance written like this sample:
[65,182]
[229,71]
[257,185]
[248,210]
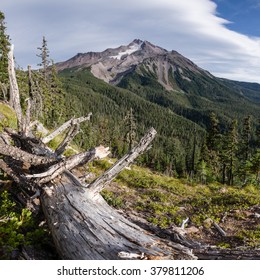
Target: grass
[7,117]
[166,201]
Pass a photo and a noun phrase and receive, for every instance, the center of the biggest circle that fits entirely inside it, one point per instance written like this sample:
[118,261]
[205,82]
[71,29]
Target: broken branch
[69,163]
[63,127]
[70,135]
[23,156]
[112,172]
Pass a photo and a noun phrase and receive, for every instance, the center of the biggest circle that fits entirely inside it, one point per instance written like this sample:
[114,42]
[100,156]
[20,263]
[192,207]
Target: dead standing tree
[82,224]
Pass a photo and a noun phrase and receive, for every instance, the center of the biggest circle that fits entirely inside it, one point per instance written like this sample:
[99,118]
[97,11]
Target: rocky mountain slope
[113,64]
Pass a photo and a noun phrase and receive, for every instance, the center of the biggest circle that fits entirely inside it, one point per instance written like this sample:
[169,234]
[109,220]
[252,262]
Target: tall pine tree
[51,89]
[213,146]
[245,149]
[231,151]
[44,55]
[130,123]
[4,49]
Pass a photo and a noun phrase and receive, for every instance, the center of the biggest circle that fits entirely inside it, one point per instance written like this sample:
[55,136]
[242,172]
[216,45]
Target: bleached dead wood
[74,129]
[111,173]
[184,222]
[14,90]
[90,229]
[69,163]
[219,229]
[27,120]
[20,155]
[64,126]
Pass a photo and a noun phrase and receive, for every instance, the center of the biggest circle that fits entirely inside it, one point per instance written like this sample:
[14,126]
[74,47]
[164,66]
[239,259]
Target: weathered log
[211,253]
[83,226]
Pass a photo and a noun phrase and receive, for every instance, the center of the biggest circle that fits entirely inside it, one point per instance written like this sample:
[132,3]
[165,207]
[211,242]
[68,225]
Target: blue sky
[221,36]
[244,15]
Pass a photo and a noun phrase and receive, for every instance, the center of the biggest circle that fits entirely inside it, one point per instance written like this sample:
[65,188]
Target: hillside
[110,106]
[161,203]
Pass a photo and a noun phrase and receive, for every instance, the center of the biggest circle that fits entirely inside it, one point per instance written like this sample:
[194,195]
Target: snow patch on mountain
[132,48]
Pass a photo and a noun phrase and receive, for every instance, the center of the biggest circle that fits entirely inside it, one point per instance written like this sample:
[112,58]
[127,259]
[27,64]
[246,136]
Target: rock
[192,230]
[207,223]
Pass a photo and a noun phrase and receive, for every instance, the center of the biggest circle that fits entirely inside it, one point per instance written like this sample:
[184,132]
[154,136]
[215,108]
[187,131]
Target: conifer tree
[213,145]
[231,150]
[44,55]
[130,136]
[255,166]
[245,149]
[246,137]
[51,89]
[4,49]
[213,132]
[257,134]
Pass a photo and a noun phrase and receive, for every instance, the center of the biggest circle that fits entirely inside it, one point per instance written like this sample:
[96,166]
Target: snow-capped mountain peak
[133,47]
[113,64]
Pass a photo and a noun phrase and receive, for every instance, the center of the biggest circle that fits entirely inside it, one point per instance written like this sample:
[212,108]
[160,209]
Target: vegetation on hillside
[212,152]
[166,202]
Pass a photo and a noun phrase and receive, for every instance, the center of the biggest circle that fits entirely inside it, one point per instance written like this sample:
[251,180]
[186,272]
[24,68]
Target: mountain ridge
[113,63]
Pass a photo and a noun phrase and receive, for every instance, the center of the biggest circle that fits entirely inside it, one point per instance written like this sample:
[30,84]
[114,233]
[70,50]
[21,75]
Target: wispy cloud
[191,27]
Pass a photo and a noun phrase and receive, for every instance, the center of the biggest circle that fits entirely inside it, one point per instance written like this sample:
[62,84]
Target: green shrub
[17,227]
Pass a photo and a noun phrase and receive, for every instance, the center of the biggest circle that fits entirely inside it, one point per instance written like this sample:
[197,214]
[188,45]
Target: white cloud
[192,27]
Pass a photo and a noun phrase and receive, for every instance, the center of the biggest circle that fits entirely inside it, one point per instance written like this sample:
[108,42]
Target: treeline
[233,156]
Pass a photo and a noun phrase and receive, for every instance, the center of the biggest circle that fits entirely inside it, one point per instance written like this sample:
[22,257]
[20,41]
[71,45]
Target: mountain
[112,65]
[170,80]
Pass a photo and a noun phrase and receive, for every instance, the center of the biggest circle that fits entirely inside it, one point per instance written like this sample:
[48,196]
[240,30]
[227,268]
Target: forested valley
[201,174]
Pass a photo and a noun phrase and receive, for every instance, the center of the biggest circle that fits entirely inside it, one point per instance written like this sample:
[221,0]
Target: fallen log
[83,226]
